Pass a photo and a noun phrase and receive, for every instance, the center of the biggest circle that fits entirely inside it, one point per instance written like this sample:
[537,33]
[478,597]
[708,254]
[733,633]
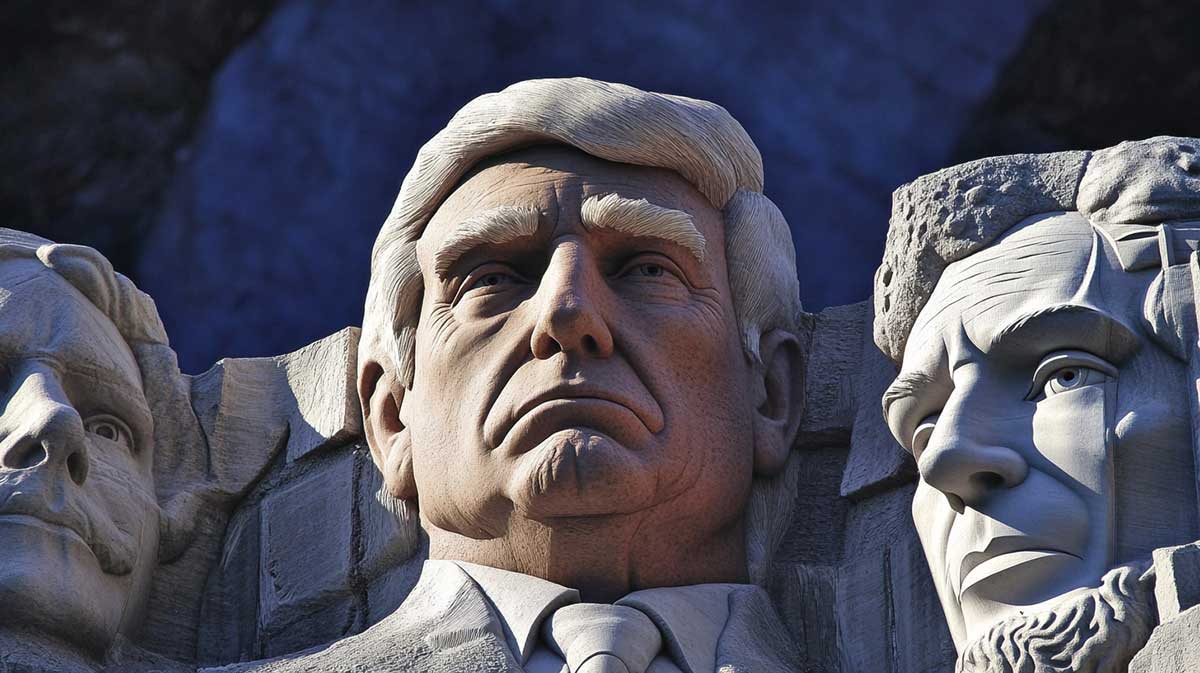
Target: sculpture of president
[581,357]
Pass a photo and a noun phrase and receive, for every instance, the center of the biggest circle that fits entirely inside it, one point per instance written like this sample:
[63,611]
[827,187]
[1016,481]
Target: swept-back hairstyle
[1133,193]
[698,140]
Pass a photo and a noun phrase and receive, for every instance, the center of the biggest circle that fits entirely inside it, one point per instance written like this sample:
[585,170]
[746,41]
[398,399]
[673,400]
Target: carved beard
[1098,632]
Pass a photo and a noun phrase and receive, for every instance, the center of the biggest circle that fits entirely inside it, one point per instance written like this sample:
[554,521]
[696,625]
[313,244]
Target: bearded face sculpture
[1041,335]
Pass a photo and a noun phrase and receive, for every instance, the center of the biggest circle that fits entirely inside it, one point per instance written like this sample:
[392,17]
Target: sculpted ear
[781,401]
[381,395]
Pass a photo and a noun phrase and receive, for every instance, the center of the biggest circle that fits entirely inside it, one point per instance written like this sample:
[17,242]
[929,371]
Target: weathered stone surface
[311,123]
[1177,580]
[388,529]
[876,460]
[320,378]
[888,614]
[806,597]
[831,373]
[306,557]
[229,612]
[1172,647]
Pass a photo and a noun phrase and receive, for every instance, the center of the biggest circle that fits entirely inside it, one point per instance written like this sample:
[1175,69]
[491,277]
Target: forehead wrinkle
[495,226]
[639,217]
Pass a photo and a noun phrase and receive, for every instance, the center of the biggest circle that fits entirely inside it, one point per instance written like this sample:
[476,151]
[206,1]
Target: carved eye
[650,269]
[111,428]
[1069,378]
[491,279]
[1063,371]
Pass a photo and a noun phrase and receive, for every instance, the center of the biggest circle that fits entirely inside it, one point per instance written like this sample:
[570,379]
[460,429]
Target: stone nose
[959,461]
[570,316]
[40,430]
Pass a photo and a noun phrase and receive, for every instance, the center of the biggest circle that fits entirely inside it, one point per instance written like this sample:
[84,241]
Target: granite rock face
[312,122]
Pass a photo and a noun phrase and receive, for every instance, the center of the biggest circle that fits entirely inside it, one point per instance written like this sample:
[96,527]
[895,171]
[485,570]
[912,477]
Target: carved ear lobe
[382,395]
[781,401]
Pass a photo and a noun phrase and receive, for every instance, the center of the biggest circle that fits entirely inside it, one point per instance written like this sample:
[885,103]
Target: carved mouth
[20,509]
[1005,557]
[560,400]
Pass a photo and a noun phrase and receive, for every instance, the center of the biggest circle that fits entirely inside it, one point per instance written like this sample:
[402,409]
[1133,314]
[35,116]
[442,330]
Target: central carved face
[1045,429]
[578,357]
[78,516]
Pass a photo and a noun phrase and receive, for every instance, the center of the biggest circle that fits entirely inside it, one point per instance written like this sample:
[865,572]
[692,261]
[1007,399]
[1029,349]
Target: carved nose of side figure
[42,431]
[966,468]
[570,318]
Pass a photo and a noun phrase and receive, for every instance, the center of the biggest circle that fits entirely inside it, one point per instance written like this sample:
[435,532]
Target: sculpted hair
[129,309]
[698,140]
[1125,191]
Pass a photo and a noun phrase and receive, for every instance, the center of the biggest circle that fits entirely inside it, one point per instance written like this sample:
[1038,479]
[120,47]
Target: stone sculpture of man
[79,515]
[580,357]
[1042,312]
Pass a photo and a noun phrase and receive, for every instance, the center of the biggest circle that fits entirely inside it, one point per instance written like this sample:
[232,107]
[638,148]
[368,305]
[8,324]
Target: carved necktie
[599,638]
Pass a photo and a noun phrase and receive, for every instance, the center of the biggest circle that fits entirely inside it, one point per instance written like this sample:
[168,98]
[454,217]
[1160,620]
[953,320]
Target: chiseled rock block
[877,461]
[324,409]
[1174,647]
[307,555]
[1177,580]
[830,374]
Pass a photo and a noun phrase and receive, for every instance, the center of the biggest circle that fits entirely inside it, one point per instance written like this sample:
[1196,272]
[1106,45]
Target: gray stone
[324,408]
[306,553]
[1177,580]
[888,614]
[830,375]
[229,612]
[1172,647]
[876,460]
[389,530]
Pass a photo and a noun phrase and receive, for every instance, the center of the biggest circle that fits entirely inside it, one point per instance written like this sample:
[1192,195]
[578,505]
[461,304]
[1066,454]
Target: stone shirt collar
[690,618]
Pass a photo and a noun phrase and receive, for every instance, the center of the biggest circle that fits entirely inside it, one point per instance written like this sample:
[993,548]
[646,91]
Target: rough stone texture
[876,462]
[1177,580]
[888,614]
[323,407]
[832,369]
[945,216]
[314,121]
[306,557]
[98,99]
[1172,647]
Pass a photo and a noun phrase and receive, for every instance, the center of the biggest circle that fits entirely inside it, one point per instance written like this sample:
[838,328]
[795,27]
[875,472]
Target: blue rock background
[237,159]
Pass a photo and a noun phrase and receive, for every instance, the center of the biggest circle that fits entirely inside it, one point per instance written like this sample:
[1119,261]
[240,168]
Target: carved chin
[580,472]
[1097,631]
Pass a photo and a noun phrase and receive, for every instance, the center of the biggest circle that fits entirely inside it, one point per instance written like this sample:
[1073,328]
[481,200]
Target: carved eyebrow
[495,226]
[639,217]
[908,384]
[1085,327]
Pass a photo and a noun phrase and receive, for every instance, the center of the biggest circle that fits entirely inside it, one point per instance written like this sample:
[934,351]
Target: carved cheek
[1073,438]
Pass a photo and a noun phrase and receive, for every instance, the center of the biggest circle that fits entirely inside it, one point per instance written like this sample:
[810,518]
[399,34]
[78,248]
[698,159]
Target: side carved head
[84,355]
[1041,311]
[581,350]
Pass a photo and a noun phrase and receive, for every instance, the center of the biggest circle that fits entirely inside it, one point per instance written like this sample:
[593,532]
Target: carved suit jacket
[448,625]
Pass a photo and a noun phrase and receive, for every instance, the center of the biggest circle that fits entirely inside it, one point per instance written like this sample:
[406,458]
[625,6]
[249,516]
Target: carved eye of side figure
[1059,372]
[111,428]
[1064,371]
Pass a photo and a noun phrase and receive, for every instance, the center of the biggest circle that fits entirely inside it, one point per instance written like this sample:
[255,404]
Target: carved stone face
[78,516]
[1041,423]
[578,372]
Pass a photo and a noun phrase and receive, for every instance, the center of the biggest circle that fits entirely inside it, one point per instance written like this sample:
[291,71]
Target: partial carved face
[78,515]
[1041,423]
[578,363]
